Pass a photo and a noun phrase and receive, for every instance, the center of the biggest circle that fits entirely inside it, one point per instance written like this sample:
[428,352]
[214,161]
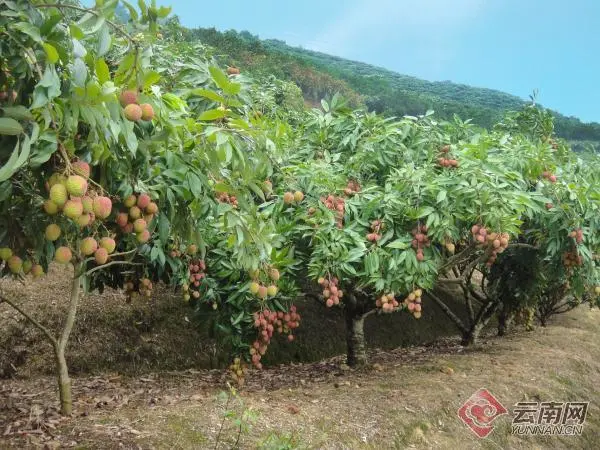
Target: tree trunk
[471,336]
[505,320]
[64,382]
[355,339]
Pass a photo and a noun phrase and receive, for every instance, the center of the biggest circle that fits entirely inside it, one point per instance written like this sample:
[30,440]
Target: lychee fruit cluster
[267,322]
[69,195]
[232,70]
[577,234]
[549,176]
[196,269]
[238,371]
[331,292]
[352,188]
[376,227]
[224,197]
[291,197]
[572,259]
[139,214]
[17,266]
[387,303]
[261,290]
[445,159]
[420,240]
[132,110]
[495,242]
[336,204]
[413,303]
[146,287]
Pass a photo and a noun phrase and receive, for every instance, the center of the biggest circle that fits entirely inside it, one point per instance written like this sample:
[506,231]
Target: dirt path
[409,398]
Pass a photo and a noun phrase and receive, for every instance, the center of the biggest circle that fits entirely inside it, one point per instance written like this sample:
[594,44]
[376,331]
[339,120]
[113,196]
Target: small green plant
[237,419]
[278,441]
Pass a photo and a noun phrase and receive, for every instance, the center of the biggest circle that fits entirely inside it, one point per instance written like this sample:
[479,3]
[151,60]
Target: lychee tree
[113,162]
[396,211]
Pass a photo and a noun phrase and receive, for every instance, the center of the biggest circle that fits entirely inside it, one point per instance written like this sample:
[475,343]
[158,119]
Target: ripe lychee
[274,274]
[152,208]
[135,212]
[50,207]
[254,287]
[130,201]
[88,246]
[76,185]
[288,197]
[122,219]
[52,232]
[552,178]
[37,270]
[81,168]
[133,112]
[267,186]
[56,178]
[262,292]
[192,249]
[128,97]
[298,196]
[139,225]
[101,256]
[143,201]
[84,220]
[109,244]
[143,237]
[147,111]
[58,194]
[102,207]
[63,255]
[73,208]
[88,204]
[15,264]
[272,290]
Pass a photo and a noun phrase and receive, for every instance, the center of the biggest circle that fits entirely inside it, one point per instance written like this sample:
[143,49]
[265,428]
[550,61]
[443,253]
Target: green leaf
[211,95]
[80,72]
[51,53]
[424,211]
[18,112]
[399,244]
[10,127]
[104,41]
[151,78]
[102,71]
[132,11]
[211,114]
[219,77]
[163,12]
[441,196]
[16,160]
[30,30]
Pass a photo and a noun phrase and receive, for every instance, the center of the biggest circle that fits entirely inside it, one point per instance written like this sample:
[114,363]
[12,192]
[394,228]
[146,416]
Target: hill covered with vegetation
[320,75]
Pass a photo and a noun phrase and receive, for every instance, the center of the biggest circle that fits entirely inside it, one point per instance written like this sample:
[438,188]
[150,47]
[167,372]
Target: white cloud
[429,25]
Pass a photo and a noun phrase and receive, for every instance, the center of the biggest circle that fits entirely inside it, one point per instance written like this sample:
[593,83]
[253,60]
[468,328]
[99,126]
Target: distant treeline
[320,75]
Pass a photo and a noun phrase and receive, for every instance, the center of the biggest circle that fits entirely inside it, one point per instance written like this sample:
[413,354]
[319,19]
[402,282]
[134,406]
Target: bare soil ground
[408,398]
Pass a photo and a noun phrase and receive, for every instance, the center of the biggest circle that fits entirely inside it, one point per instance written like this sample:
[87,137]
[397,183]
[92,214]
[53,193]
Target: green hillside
[320,75]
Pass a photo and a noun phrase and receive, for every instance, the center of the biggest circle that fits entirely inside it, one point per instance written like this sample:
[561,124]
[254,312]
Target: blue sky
[511,45]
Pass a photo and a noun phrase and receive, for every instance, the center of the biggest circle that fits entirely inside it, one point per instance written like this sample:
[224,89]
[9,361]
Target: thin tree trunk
[471,336]
[505,320]
[64,382]
[355,339]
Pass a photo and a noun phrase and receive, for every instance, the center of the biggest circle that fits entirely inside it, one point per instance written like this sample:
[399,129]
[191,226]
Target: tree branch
[91,11]
[73,303]
[112,263]
[459,323]
[38,325]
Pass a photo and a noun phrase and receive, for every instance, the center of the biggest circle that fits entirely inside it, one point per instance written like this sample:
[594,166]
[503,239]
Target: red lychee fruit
[63,255]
